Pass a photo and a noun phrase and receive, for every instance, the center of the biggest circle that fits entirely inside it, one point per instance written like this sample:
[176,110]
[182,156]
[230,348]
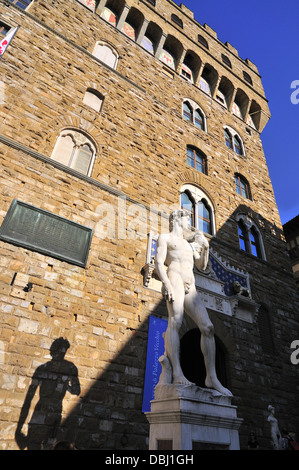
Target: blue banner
[155,349]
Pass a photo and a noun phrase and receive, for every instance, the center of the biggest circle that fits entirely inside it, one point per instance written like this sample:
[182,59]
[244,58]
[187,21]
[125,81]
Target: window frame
[80,139]
[198,158]
[234,137]
[177,20]
[242,186]
[248,227]
[226,60]
[202,41]
[107,46]
[195,108]
[196,196]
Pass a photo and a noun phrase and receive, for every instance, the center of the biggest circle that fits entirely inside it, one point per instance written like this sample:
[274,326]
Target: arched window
[193,114]
[151,38]
[75,150]
[247,77]
[202,41]
[233,141]
[105,53]
[250,239]
[172,51]
[226,60]
[242,186]
[196,159]
[200,208]
[93,99]
[177,20]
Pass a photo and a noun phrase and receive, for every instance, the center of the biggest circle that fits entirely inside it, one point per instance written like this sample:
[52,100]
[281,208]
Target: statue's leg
[199,314]
[172,339]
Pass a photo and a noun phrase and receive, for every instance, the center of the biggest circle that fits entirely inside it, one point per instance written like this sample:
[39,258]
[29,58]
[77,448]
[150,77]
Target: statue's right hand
[167,292]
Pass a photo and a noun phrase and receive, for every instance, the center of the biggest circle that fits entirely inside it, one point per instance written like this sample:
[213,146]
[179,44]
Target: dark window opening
[177,20]
[202,41]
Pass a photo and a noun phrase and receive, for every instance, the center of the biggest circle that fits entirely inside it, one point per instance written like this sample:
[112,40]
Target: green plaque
[39,230]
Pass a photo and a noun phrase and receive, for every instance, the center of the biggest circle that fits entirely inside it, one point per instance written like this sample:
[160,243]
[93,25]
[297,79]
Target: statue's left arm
[200,251]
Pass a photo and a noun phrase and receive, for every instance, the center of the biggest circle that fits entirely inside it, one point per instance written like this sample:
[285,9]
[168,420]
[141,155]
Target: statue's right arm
[160,258]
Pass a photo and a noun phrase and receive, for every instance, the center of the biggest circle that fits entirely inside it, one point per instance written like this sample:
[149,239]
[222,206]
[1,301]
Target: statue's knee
[208,330]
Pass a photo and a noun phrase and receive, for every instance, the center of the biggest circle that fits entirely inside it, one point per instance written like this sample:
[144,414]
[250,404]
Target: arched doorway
[192,360]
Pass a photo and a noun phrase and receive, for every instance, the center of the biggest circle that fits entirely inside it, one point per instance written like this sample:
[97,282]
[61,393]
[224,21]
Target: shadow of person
[54,379]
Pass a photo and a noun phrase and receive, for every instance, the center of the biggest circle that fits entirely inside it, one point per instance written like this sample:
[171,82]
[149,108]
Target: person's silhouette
[54,379]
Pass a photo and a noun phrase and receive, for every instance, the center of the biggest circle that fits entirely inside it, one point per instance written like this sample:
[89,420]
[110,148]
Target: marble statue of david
[179,250]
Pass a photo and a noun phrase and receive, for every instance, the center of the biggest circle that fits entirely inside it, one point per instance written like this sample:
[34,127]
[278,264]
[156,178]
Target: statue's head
[58,348]
[179,216]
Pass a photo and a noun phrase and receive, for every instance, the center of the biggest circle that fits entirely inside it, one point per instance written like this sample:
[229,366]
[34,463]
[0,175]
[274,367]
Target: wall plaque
[39,230]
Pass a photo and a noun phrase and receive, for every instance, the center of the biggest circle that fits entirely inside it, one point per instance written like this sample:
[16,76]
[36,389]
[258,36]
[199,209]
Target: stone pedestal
[192,418]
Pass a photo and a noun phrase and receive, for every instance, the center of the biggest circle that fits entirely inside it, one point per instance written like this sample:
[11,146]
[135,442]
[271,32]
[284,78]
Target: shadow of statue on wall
[54,379]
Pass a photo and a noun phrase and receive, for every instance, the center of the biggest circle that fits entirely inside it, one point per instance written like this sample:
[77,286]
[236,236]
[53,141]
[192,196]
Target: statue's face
[185,222]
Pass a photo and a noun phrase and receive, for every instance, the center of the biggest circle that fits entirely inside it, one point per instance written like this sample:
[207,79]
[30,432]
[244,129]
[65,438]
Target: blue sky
[267,33]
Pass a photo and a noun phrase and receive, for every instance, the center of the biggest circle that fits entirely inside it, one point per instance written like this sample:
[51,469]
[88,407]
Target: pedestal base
[184,417]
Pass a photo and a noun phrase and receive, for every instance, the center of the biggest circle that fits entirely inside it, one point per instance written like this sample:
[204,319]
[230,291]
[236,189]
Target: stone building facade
[112,114]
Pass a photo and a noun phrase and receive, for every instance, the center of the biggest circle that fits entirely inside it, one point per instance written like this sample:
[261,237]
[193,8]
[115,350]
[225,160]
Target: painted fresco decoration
[167,58]
[148,44]
[109,16]
[236,110]
[91,4]
[204,86]
[129,31]
[250,121]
